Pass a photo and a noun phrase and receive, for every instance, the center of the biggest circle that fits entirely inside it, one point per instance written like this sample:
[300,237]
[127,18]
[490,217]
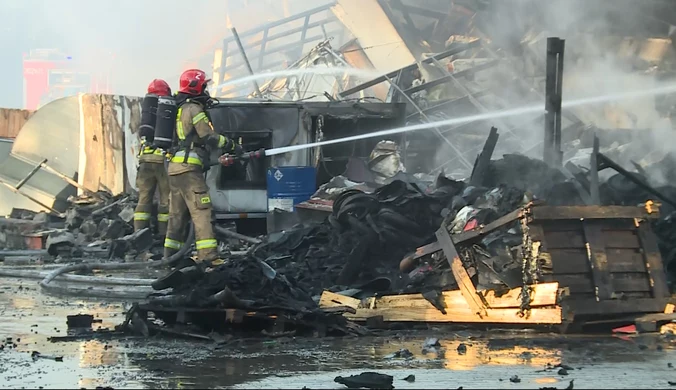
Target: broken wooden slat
[484,159]
[331,299]
[464,237]
[653,259]
[544,294]
[466,315]
[589,212]
[575,260]
[461,277]
[596,252]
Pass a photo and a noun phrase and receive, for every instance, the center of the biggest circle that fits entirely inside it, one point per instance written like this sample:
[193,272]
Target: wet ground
[490,360]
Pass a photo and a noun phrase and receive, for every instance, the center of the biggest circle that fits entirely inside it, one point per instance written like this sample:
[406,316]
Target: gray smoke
[130,41]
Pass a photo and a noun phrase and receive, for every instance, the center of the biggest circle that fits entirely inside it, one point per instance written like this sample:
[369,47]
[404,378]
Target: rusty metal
[442,55]
[246,60]
[436,129]
[599,162]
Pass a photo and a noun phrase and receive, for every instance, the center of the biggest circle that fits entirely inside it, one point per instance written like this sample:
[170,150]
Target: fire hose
[143,288]
[141,292]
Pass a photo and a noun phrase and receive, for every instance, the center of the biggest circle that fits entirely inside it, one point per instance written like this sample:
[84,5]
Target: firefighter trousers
[190,199]
[152,176]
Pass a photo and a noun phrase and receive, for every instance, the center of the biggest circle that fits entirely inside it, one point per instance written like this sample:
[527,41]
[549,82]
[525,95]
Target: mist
[129,41]
[602,57]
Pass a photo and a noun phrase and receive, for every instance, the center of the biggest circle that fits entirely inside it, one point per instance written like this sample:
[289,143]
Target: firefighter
[152,173]
[189,198]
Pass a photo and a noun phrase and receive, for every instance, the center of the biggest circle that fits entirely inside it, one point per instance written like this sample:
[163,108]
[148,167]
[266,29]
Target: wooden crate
[606,256]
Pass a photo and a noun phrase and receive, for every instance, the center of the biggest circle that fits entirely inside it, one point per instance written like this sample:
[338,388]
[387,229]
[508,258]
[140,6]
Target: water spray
[333,71]
[531,109]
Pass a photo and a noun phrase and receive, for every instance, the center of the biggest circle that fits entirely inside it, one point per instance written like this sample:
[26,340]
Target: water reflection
[94,353]
[477,354]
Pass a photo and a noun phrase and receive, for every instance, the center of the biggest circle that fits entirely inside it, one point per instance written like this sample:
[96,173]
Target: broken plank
[331,299]
[653,261]
[463,237]
[544,294]
[460,273]
[484,159]
[596,252]
[492,316]
[589,212]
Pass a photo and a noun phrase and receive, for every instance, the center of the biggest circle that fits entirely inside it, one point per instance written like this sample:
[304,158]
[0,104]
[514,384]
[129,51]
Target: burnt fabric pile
[255,282]
[101,224]
[360,245]
[534,176]
[362,242]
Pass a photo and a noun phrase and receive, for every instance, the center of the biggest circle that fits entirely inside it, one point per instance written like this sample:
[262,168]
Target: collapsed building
[427,226]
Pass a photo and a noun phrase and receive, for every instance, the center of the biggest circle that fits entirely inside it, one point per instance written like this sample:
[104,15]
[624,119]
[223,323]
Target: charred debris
[519,242]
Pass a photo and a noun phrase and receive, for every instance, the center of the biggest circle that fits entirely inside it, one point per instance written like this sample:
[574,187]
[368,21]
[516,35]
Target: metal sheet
[367,22]
[51,133]
[9,199]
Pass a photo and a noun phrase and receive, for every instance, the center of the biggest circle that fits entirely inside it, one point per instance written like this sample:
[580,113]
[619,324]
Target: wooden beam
[596,253]
[415,308]
[460,273]
[653,260]
[590,212]
[464,237]
[544,294]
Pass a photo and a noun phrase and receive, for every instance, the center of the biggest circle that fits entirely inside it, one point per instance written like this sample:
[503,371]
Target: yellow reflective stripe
[179,125]
[206,244]
[141,216]
[200,117]
[162,217]
[172,244]
[189,160]
[221,141]
[150,150]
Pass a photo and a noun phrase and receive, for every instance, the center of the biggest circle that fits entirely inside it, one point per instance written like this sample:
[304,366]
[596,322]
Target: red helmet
[159,87]
[193,82]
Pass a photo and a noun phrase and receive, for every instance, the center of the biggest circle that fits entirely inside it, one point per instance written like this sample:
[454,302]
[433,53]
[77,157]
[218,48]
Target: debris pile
[362,242]
[100,224]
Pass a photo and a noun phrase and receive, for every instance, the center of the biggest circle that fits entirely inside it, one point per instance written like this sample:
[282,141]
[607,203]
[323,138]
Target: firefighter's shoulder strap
[185,140]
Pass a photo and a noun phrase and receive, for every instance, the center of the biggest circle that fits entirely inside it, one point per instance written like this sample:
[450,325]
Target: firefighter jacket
[195,136]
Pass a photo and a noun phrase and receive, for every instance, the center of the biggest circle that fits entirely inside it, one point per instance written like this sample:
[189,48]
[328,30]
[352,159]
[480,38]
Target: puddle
[490,359]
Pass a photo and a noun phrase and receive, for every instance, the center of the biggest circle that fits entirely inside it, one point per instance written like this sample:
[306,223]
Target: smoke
[128,42]
[607,52]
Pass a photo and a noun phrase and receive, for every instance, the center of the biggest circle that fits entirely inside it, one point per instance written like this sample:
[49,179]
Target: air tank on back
[148,117]
[166,122]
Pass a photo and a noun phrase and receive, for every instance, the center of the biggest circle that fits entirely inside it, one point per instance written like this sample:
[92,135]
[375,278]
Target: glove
[237,150]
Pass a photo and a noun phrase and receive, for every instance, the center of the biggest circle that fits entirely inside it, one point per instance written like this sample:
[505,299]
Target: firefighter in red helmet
[152,174]
[189,192]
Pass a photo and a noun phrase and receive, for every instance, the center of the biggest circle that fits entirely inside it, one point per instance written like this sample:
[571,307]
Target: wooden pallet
[502,309]
[607,257]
